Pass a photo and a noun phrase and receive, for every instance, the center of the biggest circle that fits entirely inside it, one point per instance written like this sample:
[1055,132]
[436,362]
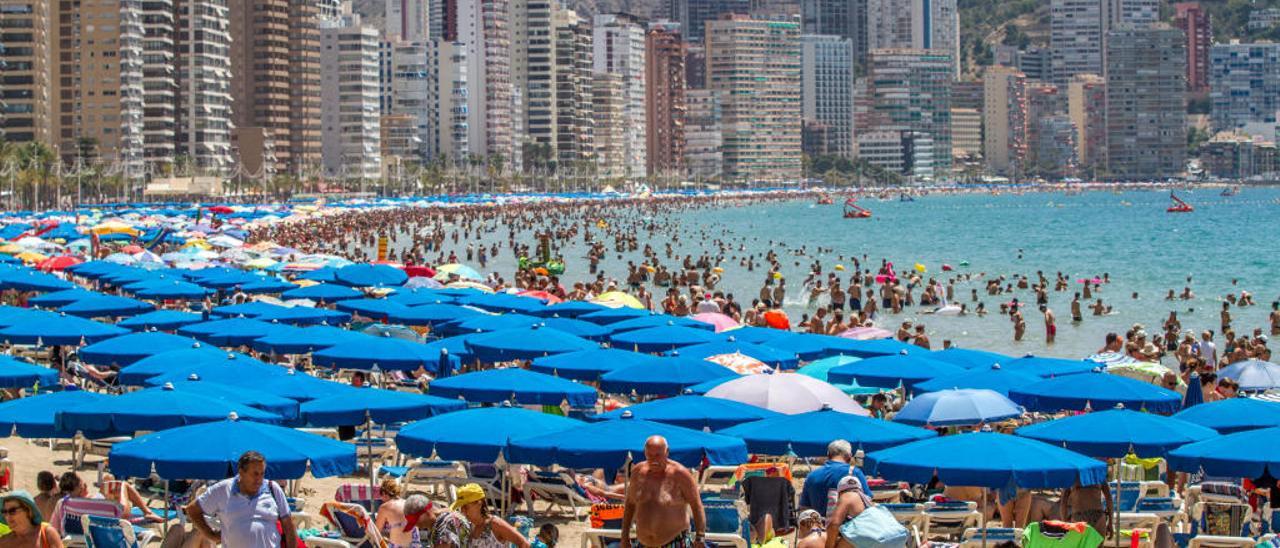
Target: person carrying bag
[863,523]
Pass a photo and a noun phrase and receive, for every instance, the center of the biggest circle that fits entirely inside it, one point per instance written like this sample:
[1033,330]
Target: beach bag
[875,527]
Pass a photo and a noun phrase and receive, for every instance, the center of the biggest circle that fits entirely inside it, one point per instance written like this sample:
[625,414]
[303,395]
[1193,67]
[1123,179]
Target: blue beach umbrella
[986,459]
[422,296]
[754,335]
[477,435]
[252,309]
[568,309]
[186,361]
[525,344]
[10,315]
[266,285]
[1195,393]
[32,417]
[812,347]
[52,329]
[1247,454]
[993,377]
[696,412]
[305,315]
[482,323]
[665,377]
[773,357]
[512,384]
[378,309]
[126,349]
[168,289]
[370,275]
[588,365]
[658,320]
[211,451]
[386,353]
[584,329]
[958,407]
[662,339]
[25,279]
[871,349]
[362,405]
[610,444]
[322,274]
[1117,432]
[969,358]
[890,371]
[229,332]
[257,399]
[808,434]
[160,320]
[432,314]
[1233,415]
[1048,367]
[15,373]
[503,303]
[61,298]
[1253,375]
[1096,391]
[304,340]
[613,315]
[329,293]
[106,306]
[151,409]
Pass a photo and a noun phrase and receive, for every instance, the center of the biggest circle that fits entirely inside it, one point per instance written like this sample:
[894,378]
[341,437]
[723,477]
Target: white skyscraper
[484,28]
[619,48]
[826,88]
[204,84]
[411,90]
[914,24]
[351,128]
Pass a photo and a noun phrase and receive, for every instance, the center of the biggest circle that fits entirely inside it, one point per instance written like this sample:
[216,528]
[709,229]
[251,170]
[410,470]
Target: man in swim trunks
[1050,325]
[660,498]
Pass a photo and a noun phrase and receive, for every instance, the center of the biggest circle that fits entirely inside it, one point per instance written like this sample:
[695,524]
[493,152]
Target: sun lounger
[973,536]
[908,514]
[488,477]
[68,513]
[98,448]
[1220,541]
[432,475]
[1166,508]
[949,518]
[352,521]
[716,479]
[557,489]
[104,532]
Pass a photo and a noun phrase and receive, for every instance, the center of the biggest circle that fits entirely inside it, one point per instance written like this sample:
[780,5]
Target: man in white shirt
[1208,350]
[248,506]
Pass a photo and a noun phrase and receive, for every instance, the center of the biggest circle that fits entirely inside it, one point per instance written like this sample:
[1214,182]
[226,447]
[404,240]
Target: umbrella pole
[368,427]
[166,508]
[983,521]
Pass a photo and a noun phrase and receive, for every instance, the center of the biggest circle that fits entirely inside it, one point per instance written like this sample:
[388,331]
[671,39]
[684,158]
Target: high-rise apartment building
[1146,103]
[755,65]
[275,77]
[826,89]
[1004,119]
[551,68]
[694,14]
[351,124]
[448,117]
[619,49]
[844,18]
[665,108]
[1086,106]
[499,36]
[910,90]
[26,94]
[1198,27]
[966,133]
[406,20]
[1076,30]
[915,24]
[411,96]
[204,115]
[704,133]
[1244,85]
[609,132]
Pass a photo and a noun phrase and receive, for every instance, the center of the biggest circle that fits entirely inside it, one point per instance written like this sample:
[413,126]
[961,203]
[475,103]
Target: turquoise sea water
[1126,235]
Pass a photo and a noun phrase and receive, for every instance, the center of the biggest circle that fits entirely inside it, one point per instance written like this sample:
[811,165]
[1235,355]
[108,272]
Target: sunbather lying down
[596,487]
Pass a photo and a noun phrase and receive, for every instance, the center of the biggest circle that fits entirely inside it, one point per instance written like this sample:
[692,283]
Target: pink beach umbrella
[866,333]
[720,321]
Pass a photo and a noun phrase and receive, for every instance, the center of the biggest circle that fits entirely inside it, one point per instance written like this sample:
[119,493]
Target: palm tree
[38,163]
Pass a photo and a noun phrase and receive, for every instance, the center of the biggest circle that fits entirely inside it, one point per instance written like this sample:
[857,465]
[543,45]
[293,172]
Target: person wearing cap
[851,500]
[248,506]
[822,482]
[27,527]
[399,519]
[469,524]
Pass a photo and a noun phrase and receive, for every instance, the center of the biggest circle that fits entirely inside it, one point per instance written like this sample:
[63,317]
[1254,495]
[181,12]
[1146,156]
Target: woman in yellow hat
[470,525]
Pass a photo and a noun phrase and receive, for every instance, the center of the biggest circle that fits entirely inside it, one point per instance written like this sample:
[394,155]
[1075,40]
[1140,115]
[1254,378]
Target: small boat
[855,211]
[1178,205]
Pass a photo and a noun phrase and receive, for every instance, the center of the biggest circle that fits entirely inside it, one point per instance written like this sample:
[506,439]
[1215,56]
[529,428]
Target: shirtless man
[660,497]
[1050,325]
[1090,504]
